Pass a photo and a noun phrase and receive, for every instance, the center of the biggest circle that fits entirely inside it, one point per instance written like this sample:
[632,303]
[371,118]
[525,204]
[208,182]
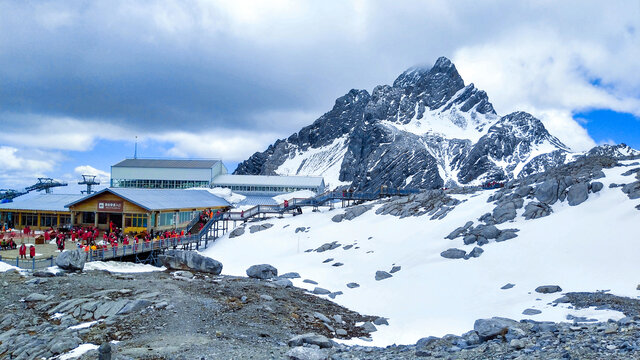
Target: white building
[269,185]
[165,174]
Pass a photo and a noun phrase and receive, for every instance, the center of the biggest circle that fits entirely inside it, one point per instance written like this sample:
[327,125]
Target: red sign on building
[110,206]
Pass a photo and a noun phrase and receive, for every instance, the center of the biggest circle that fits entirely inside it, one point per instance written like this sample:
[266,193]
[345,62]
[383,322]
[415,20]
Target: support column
[73,218]
[95,219]
[58,220]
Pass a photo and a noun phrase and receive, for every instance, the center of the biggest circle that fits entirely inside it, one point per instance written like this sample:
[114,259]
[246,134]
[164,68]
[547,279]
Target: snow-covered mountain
[426,131]
[451,257]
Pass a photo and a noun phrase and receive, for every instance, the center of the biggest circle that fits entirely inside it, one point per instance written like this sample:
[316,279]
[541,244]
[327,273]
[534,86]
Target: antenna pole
[135,151]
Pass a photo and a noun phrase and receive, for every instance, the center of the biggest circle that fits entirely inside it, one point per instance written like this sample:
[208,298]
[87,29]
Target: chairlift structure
[45,184]
[88,180]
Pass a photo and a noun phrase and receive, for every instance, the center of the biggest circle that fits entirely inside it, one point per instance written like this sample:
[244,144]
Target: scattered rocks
[134,306]
[260,227]
[190,260]
[369,327]
[453,253]
[434,203]
[353,285]
[307,353]
[632,190]
[337,264]
[35,297]
[395,269]
[284,283]
[262,271]
[504,212]
[327,260]
[328,246]
[508,286]
[489,328]
[548,289]
[381,275]
[459,231]
[381,321]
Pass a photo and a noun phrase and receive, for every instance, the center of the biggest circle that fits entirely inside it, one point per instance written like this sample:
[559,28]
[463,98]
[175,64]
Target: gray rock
[547,192]
[453,253]
[531,312]
[517,344]
[327,260]
[353,285]
[261,227]
[190,260]
[43,274]
[262,271]
[104,351]
[489,328]
[300,229]
[562,300]
[134,306]
[321,291]
[426,341]
[507,286]
[322,317]
[482,241]
[35,297]
[266,297]
[489,231]
[504,212]
[341,332]
[523,191]
[381,275]
[64,345]
[548,289]
[471,337]
[632,190]
[183,274]
[334,294]
[328,246]
[311,339]
[71,260]
[236,232]
[337,218]
[476,252]
[381,321]
[470,239]
[507,234]
[596,186]
[395,269]
[578,194]
[309,281]
[284,283]
[307,353]
[290,275]
[337,264]
[369,327]
[459,231]
[535,210]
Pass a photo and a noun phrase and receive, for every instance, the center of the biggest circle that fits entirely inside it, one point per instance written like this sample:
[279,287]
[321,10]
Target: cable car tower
[45,184]
[88,180]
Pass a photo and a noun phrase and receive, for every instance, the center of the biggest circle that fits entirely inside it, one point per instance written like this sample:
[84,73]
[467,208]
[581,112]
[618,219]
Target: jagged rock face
[427,130]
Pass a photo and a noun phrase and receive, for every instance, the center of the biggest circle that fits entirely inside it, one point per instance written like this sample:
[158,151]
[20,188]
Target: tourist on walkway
[32,251]
[23,251]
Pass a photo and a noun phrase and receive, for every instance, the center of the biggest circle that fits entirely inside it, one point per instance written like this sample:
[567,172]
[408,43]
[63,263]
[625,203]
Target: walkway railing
[33,264]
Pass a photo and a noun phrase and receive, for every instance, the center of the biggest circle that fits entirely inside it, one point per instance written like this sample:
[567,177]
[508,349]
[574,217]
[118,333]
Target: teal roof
[162,199]
[42,202]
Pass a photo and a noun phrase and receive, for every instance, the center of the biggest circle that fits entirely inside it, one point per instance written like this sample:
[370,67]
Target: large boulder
[311,339]
[547,192]
[236,232]
[453,253]
[459,231]
[535,210]
[71,260]
[596,186]
[489,231]
[504,212]
[262,271]
[261,227]
[578,194]
[488,329]
[632,190]
[307,353]
[190,260]
[548,289]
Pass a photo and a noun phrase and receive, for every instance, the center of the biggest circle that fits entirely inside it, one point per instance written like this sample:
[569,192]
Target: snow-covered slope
[589,247]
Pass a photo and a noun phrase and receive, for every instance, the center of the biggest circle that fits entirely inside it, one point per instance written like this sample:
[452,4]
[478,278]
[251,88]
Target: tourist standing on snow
[23,251]
[32,251]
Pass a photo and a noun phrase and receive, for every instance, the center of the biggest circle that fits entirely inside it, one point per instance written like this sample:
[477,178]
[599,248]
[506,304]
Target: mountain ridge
[427,130]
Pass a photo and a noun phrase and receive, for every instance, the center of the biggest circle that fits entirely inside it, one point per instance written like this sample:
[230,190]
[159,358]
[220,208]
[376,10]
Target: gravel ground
[184,315]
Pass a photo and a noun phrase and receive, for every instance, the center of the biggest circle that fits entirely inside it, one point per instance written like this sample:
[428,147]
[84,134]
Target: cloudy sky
[223,79]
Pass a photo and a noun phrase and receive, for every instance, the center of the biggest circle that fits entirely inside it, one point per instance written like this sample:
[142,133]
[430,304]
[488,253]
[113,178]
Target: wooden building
[39,212]
[135,210]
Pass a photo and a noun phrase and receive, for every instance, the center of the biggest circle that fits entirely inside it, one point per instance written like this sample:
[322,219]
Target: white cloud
[19,169]
[102,176]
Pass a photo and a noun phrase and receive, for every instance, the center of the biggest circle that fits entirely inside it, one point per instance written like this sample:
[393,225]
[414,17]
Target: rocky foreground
[178,314]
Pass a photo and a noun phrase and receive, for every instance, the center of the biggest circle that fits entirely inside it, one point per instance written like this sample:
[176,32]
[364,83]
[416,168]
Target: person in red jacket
[32,251]
[47,238]
[23,251]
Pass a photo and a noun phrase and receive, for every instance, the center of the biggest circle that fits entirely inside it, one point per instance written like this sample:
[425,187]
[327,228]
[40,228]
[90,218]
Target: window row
[157,184]
[275,189]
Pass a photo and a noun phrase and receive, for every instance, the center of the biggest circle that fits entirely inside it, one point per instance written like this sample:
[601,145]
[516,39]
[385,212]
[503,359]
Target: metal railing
[32,264]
